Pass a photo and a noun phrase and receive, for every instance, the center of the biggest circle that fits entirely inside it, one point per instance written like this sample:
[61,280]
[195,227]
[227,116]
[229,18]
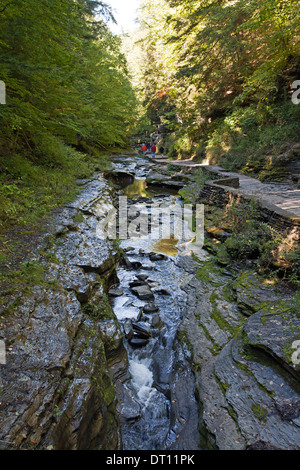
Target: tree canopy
[69,100]
[216,69]
[64,73]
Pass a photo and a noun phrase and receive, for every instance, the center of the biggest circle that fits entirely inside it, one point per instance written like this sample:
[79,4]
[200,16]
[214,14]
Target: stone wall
[214,192]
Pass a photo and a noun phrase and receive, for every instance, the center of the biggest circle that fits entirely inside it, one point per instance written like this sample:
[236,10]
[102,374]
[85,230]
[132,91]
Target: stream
[200,353]
[159,409]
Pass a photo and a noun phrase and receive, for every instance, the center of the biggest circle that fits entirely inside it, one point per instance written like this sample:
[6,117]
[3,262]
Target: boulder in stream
[137,283]
[115,292]
[138,342]
[143,292]
[128,329]
[150,308]
[157,257]
[142,329]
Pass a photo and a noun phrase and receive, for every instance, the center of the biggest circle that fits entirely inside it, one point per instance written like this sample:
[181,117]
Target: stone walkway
[284,196]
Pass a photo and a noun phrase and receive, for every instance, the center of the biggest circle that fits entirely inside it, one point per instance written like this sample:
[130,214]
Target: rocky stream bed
[145,344]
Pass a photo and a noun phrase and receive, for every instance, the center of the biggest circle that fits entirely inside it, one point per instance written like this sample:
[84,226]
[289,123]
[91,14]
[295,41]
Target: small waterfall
[142,379]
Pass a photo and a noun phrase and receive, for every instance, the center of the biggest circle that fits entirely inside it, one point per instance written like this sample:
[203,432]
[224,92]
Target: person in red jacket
[153,150]
[144,149]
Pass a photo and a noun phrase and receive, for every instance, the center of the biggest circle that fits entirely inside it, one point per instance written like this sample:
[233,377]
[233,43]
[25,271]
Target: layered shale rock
[64,344]
[241,332]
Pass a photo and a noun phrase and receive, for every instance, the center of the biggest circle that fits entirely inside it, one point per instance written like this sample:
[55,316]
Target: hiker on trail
[161,150]
[148,146]
[144,149]
[153,150]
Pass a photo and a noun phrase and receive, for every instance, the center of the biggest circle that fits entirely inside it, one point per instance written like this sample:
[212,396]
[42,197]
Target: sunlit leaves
[64,73]
[223,53]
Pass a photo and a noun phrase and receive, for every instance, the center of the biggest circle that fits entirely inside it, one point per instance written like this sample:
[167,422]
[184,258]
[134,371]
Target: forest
[217,78]
[68,100]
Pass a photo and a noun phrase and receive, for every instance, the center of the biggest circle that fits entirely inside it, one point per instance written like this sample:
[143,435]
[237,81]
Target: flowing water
[158,368]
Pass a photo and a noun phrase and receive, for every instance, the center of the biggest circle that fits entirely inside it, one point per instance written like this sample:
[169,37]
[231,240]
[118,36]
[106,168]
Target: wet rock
[128,249]
[128,329]
[142,199]
[94,191]
[142,277]
[289,409]
[252,295]
[73,278]
[150,308]
[261,445]
[118,174]
[253,386]
[86,251]
[115,292]
[146,267]
[275,334]
[154,178]
[137,283]
[142,329]
[157,257]
[126,262]
[137,342]
[57,388]
[143,292]
[51,347]
[162,292]
[129,408]
[217,417]
[158,179]
[156,321]
[136,264]
[248,385]
[184,422]
[140,315]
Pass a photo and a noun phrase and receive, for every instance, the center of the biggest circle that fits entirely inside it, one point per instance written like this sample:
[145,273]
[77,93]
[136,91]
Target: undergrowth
[34,183]
[253,239]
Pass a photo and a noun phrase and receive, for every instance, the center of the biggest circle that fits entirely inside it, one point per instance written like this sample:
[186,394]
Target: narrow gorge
[145,344]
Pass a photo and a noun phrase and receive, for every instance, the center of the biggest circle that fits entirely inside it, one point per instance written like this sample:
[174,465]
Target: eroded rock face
[64,344]
[241,336]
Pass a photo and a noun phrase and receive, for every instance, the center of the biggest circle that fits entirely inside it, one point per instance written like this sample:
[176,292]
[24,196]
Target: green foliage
[251,238]
[30,190]
[293,258]
[247,138]
[69,98]
[218,76]
[29,274]
[254,241]
[65,75]
[259,411]
[190,192]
